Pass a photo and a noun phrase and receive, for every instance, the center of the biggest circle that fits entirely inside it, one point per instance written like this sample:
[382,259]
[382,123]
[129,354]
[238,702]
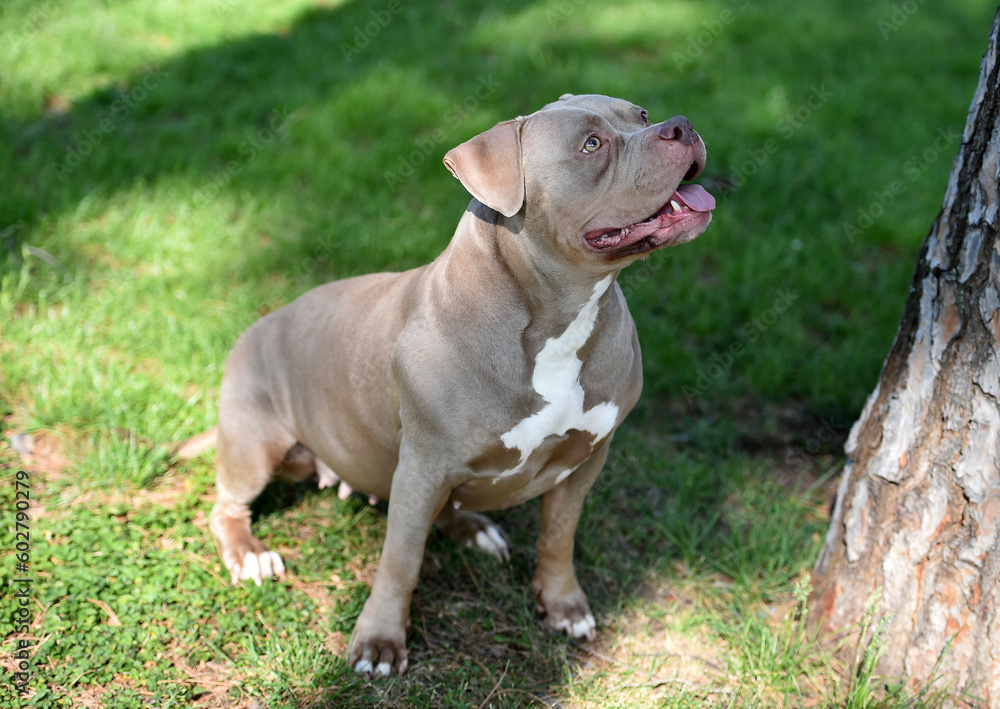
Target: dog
[497,373]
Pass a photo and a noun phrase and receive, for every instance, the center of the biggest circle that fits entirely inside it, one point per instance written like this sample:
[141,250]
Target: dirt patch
[44,452]
[648,658]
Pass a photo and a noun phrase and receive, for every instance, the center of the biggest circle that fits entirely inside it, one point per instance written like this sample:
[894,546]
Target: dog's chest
[562,418]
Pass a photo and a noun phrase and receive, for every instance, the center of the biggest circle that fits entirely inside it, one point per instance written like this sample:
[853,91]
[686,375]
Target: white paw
[383,669]
[345,491]
[492,541]
[327,478]
[257,567]
[585,628]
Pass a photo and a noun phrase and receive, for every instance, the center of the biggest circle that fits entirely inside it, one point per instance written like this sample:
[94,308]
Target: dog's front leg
[557,593]
[378,644]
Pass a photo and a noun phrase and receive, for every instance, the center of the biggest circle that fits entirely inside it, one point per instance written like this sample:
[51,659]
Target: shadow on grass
[218,124]
[200,124]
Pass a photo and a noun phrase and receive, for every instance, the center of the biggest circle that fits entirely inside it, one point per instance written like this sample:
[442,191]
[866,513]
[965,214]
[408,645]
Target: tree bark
[917,514]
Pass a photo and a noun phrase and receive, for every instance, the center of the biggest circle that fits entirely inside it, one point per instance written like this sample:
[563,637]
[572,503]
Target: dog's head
[594,175]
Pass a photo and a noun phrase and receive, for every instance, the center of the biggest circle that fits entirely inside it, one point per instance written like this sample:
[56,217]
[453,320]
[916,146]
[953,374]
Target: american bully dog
[496,373]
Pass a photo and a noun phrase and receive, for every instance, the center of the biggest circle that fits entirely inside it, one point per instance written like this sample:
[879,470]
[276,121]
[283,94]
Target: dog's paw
[384,668]
[377,657]
[568,613]
[477,532]
[256,567]
[583,629]
[325,477]
[492,541]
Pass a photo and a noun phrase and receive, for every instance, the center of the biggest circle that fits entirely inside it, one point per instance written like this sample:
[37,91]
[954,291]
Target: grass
[170,171]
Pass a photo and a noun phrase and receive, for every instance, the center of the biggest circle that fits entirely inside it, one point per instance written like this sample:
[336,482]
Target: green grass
[170,171]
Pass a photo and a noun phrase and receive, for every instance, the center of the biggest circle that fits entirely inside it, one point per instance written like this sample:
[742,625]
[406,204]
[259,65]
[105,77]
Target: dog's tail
[195,446]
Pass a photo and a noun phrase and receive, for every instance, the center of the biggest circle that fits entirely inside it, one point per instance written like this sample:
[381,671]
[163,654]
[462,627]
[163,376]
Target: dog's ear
[489,166]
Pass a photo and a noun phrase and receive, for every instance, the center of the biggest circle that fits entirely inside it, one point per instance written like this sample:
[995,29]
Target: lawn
[171,171]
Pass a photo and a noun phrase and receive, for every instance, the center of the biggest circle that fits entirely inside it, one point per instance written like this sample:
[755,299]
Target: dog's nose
[678,128]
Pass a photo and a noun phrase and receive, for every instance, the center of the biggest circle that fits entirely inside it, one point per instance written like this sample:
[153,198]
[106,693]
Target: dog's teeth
[675,206]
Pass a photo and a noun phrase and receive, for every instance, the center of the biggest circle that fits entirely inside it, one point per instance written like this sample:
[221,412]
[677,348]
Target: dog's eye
[592,144]
[644,116]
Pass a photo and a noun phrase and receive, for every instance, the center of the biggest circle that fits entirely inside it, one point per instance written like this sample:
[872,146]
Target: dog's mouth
[682,218]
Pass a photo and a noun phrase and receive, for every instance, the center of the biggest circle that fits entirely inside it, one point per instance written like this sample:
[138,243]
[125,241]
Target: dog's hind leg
[252,445]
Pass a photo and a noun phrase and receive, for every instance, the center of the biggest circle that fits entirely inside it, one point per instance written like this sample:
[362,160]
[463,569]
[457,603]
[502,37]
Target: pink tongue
[696,197]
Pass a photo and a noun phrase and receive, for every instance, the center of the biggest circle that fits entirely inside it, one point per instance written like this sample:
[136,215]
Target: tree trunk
[917,515]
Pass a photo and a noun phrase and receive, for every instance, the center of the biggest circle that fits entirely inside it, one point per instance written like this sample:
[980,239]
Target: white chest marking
[556,378]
